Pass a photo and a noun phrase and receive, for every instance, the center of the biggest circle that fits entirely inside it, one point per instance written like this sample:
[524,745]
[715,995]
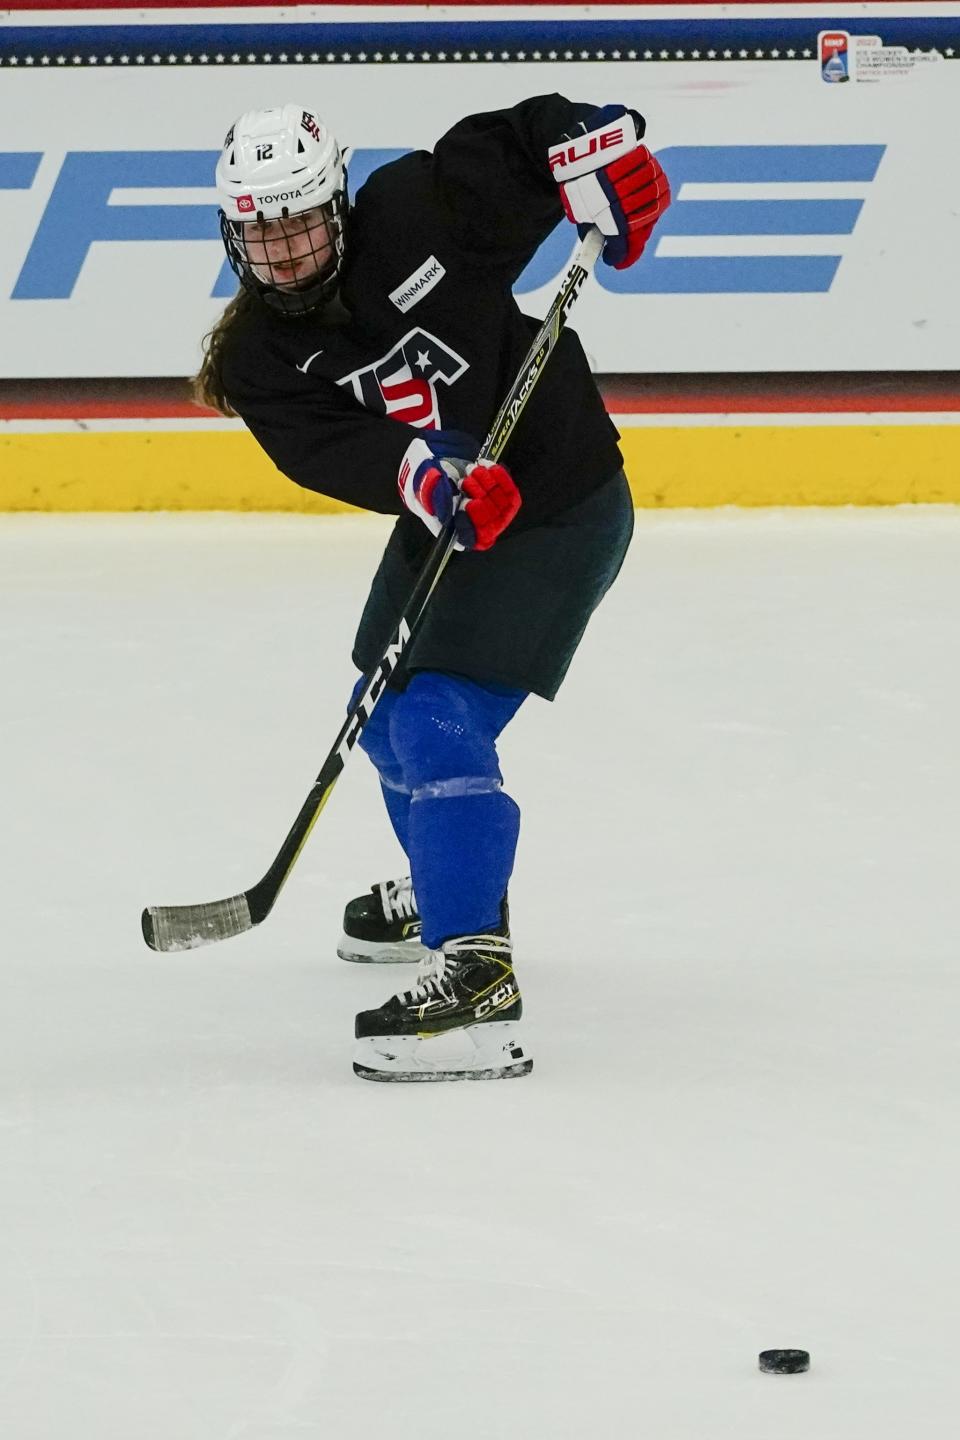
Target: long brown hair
[207,384]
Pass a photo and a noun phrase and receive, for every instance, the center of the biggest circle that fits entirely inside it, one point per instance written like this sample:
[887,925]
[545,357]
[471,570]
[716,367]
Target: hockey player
[367,351]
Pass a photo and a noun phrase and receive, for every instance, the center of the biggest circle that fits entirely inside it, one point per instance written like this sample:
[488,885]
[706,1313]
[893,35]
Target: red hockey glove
[437,480]
[608,179]
[493,500]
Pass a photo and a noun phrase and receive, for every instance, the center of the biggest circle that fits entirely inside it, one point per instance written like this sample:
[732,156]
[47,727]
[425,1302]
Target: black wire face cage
[292,263]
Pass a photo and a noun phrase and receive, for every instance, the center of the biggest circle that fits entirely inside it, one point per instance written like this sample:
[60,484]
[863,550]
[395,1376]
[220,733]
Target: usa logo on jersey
[404,383]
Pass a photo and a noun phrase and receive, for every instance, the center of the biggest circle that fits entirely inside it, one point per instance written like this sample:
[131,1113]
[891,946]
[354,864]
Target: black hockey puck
[784,1362]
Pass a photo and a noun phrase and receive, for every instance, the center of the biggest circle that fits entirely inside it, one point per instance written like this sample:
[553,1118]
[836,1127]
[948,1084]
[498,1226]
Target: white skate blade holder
[492,1051]
[374,952]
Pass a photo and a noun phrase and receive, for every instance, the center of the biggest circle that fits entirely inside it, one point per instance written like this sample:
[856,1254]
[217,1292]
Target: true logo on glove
[595,143]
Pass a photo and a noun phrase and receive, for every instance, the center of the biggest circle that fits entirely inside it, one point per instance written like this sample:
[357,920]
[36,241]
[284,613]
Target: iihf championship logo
[834,47]
[403,384]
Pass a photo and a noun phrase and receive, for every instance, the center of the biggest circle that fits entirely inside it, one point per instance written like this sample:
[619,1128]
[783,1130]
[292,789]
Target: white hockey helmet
[276,165]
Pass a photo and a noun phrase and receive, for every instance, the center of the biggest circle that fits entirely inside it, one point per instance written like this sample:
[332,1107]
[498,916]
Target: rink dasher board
[810,227]
[671,460]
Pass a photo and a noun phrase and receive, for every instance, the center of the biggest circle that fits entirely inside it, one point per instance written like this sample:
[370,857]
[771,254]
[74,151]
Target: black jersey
[428,333]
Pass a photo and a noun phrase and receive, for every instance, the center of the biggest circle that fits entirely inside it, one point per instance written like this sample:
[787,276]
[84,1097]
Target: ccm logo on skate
[503,995]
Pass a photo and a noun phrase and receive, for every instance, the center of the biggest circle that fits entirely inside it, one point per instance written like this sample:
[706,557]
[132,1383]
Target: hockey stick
[186,927]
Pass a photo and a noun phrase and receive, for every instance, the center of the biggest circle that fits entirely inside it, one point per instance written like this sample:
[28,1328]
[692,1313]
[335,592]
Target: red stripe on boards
[290,11]
[808,393]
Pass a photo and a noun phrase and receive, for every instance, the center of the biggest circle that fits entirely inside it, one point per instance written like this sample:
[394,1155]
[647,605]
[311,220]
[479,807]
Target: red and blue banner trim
[710,38]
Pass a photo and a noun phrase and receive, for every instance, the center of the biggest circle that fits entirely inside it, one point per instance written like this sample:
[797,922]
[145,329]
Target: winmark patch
[415,286]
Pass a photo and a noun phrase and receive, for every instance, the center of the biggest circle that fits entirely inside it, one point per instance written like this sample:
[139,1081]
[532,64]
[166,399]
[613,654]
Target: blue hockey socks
[434,747]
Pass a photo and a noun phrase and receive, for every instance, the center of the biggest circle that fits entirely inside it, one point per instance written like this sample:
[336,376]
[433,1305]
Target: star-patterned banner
[711,37]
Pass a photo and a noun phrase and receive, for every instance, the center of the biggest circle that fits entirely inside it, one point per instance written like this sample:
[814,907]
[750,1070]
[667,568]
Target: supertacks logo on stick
[282,186]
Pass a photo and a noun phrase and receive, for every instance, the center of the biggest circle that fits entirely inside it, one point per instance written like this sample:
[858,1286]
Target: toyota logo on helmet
[280,160]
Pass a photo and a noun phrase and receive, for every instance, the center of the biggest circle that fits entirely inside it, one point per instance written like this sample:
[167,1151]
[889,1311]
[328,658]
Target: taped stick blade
[170,928]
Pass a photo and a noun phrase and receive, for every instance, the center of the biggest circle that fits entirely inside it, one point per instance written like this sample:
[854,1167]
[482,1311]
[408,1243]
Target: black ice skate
[383,926]
[459,1022]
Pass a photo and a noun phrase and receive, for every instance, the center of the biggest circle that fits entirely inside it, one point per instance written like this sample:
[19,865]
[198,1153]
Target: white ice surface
[737,918]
